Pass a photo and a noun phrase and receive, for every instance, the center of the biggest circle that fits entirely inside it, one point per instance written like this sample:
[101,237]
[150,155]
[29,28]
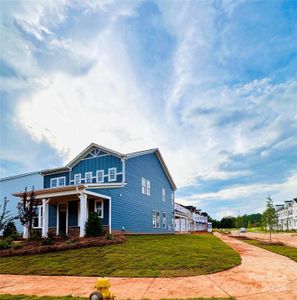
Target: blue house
[130,192]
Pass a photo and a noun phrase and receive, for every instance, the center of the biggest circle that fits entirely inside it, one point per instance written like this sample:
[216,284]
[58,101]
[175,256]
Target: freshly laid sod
[284,250]
[25,297]
[139,256]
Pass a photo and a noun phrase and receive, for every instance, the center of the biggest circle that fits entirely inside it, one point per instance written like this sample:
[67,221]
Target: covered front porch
[65,210]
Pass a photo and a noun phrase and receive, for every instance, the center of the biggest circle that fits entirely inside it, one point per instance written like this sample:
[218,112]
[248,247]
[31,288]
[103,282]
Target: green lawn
[25,297]
[284,250]
[140,256]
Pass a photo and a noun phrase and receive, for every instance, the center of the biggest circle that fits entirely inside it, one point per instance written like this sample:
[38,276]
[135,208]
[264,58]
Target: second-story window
[163,194]
[172,198]
[56,182]
[88,177]
[100,176]
[112,174]
[77,179]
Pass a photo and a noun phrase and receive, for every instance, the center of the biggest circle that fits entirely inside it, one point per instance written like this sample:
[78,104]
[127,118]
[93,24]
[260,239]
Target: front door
[62,218]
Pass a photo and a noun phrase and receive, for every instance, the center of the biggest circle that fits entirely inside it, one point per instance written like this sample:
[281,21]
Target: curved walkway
[261,275]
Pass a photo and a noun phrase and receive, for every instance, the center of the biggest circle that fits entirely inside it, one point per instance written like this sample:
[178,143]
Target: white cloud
[111,106]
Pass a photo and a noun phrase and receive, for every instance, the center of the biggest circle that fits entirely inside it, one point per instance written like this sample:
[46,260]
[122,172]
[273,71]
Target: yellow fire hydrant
[103,293]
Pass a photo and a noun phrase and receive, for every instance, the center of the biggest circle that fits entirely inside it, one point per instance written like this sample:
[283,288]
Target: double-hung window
[99,208]
[100,176]
[88,177]
[172,198]
[77,179]
[164,220]
[59,181]
[112,174]
[163,194]
[158,219]
[38,217]
[145,186]
[154,216]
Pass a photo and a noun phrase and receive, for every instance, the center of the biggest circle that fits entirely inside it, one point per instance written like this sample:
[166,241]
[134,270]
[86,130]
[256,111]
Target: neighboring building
[9,185]
[190,219]
[130,192]
[287,215]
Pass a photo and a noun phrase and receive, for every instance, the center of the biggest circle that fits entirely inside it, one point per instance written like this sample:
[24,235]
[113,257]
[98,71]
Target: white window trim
[102,201]
[154,217]
[57,178]
[91,177]
[143,185]
[115,173]
[77,175]
[39,216]
[158,218]
[148,187]
[97,176]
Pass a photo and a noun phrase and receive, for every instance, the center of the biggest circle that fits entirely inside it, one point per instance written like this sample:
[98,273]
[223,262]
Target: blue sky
[213,84]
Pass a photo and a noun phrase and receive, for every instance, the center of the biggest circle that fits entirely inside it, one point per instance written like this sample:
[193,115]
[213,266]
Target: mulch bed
[36,247]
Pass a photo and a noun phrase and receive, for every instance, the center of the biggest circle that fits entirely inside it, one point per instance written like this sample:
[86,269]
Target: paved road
[289,239]
[261,275]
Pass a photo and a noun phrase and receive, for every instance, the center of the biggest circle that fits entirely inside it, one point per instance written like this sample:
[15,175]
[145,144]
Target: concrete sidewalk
[262,275]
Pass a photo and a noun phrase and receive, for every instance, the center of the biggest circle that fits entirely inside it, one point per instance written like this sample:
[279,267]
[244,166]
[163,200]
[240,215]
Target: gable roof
[92,146]
[88,149]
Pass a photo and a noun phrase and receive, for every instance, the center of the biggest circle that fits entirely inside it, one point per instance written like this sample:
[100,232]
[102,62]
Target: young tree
[239,222]
[5,216]
[26,208]
[269,216]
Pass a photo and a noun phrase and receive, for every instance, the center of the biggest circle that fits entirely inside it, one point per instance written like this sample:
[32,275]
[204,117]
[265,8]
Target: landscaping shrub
[9,229]
[17,245]
[47,241]
[93,225]
[70,242]
[109,236]
[15,236]
[35,235]
[4,244]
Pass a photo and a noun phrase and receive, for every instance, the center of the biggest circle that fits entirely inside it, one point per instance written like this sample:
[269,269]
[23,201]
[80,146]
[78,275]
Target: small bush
[70,242]
[4,244]
[35,235]
[15,236]
[17,245]
[47,241]
[9,229]
[109,236]
[93,225]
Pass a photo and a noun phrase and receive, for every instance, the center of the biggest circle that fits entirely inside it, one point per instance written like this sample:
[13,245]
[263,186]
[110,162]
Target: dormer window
[88,177]
[112,174]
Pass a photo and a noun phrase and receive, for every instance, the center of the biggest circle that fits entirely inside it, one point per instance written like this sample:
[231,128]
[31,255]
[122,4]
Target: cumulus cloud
[80,81]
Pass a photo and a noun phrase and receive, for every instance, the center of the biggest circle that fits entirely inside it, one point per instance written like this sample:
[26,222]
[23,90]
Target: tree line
[247,221]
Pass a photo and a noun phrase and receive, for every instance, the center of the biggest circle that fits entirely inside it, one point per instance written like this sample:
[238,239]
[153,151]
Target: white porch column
[44,218]
[83,214]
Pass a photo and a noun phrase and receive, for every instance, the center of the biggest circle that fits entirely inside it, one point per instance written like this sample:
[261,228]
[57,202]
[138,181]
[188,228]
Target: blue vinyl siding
[132,209]
[47,178]
[52,221]
[98,163]
[73,213]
